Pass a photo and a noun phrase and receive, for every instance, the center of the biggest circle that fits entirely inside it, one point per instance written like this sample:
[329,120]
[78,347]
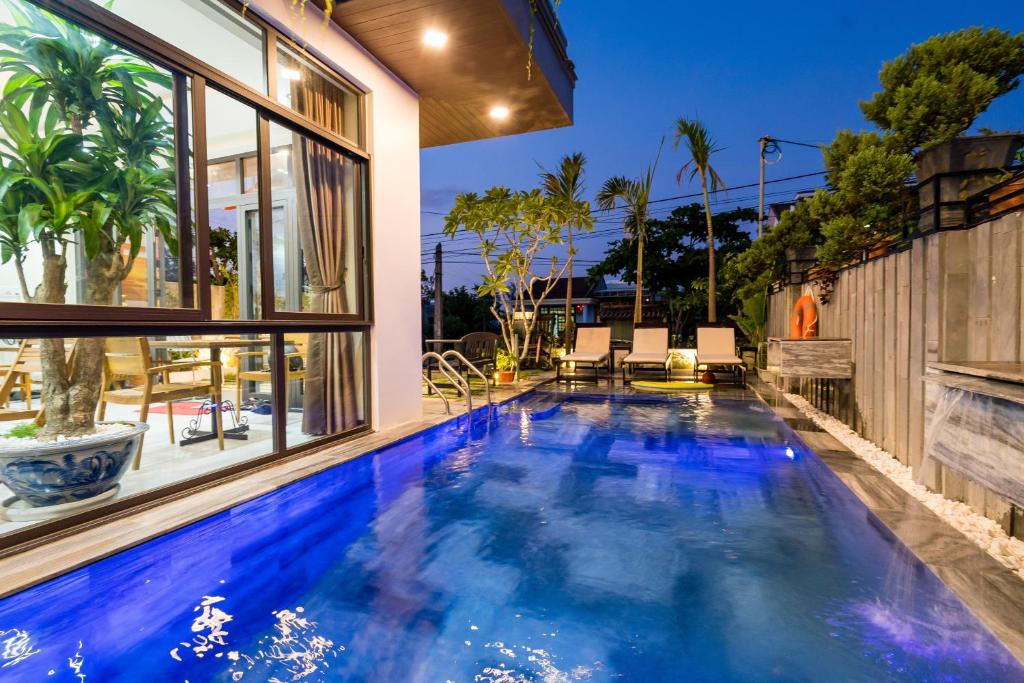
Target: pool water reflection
[567,539]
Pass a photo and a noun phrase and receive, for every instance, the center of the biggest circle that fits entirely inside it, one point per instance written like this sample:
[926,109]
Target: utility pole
[438,298]
[763,143]
[569,321]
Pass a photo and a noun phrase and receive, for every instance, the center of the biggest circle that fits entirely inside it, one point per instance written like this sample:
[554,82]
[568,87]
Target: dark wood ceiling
[483,65]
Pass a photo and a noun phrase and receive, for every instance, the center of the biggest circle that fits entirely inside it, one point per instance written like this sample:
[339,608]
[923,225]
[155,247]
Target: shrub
[936,89]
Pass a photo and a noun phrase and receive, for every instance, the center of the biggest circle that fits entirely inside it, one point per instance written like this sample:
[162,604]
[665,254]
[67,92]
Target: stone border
[46,561]
[992,591]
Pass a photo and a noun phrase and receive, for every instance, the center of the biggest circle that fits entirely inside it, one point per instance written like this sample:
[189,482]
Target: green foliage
[223,255]
[676,261]
[935,90]
[634,195]
[86,149]
[701,147]
[513,230]
[754,270]
[25,430]
[564,187]
[464,311]
[753,317]
[869,174]
[505,360]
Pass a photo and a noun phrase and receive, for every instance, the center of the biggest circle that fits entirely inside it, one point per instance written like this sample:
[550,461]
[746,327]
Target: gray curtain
[332,392]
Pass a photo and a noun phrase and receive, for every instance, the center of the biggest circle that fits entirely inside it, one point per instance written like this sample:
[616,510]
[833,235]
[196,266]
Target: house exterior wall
[392,139]
[952,296]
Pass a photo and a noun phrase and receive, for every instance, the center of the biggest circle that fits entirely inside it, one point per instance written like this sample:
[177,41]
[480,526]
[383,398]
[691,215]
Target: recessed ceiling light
[499,112]
[435,38]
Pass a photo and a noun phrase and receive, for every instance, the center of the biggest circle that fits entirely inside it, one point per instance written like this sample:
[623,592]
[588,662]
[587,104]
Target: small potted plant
[506,366]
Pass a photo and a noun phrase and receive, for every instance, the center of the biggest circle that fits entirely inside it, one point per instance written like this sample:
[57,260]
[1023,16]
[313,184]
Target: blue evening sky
[792,70]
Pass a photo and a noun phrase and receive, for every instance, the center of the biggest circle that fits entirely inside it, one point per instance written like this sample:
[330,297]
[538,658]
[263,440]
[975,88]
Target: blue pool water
[567,539]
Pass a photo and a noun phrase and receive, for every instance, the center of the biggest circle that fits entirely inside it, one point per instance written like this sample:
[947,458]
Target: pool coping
[992,592]
[51,559]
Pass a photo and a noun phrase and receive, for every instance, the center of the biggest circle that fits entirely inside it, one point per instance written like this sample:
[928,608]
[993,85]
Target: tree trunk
[569,322]
[638,304]
[712,280]
[70,394]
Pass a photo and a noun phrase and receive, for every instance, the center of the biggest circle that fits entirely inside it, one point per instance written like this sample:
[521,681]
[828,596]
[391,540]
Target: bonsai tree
[564,188]
[635,195]
[701,146]
[935,90]
[513,230]
[86,158]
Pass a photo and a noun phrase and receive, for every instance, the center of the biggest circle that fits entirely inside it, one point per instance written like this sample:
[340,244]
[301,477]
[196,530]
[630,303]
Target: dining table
[195,432]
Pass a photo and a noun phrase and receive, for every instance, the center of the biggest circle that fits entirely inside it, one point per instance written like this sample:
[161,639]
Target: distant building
[609,300]
[777,209]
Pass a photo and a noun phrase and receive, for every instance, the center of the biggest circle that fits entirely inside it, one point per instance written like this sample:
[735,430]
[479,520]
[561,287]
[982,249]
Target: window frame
[185,68]
[36,320]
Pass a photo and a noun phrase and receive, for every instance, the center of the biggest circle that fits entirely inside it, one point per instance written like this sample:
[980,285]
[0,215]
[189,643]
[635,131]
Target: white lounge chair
[717,346]
[650,348]
[593,345]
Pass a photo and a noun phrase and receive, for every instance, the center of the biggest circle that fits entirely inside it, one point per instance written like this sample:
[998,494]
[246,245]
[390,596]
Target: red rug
[180,408]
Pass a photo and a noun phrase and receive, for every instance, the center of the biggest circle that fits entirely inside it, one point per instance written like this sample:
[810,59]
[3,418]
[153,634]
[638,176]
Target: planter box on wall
[971,159]
[816,357]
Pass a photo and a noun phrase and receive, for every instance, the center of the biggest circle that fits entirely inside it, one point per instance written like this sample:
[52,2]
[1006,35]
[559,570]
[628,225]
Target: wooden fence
[950,296]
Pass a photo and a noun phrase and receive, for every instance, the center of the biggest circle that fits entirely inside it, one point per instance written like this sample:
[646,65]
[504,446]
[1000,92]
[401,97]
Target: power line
[691,195]
[791,142]
[714,202]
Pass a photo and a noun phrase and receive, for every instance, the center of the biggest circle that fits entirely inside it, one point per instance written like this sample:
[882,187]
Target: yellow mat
[670,386]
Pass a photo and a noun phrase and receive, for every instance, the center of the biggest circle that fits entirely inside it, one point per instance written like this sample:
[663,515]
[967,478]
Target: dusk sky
[792,70]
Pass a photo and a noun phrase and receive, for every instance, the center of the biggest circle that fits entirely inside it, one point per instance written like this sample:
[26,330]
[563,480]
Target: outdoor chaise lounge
[650,349]
[717,346]
[592,347]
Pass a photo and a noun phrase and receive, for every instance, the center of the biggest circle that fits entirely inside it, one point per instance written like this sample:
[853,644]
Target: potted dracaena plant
[86,171]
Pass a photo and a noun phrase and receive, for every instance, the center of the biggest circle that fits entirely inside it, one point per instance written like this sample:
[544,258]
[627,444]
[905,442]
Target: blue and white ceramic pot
[54,473]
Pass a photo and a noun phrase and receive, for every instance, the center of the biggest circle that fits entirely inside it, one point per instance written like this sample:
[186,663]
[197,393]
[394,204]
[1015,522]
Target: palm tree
[634,195]
[701,146]
[565,188]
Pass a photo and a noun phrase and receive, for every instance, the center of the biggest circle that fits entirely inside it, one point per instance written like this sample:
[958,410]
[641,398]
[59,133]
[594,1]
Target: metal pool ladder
[452,353]
[461,385]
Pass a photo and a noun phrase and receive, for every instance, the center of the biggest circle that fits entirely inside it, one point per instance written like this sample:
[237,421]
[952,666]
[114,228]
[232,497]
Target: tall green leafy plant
[86,158]
[701,147]
[513,230]
[634,194]
[564,189]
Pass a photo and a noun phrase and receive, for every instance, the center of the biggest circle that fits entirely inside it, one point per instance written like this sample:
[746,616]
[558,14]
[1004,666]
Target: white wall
[393,141]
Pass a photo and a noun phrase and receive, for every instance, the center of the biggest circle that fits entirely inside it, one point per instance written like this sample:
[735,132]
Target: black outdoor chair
[480,349]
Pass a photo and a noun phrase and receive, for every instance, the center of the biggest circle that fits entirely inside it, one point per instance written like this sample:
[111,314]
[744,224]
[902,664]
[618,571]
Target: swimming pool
[569,538]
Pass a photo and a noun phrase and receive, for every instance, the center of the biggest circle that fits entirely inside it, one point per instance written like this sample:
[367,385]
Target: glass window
[94,219]
[203,403]
[205,29]
[316,250]
[326,378]
[231,135]
[222,179]
[319,97]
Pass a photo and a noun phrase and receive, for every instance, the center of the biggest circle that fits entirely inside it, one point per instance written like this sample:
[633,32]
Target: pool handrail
[430,383]
[464,361]
[461,385]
